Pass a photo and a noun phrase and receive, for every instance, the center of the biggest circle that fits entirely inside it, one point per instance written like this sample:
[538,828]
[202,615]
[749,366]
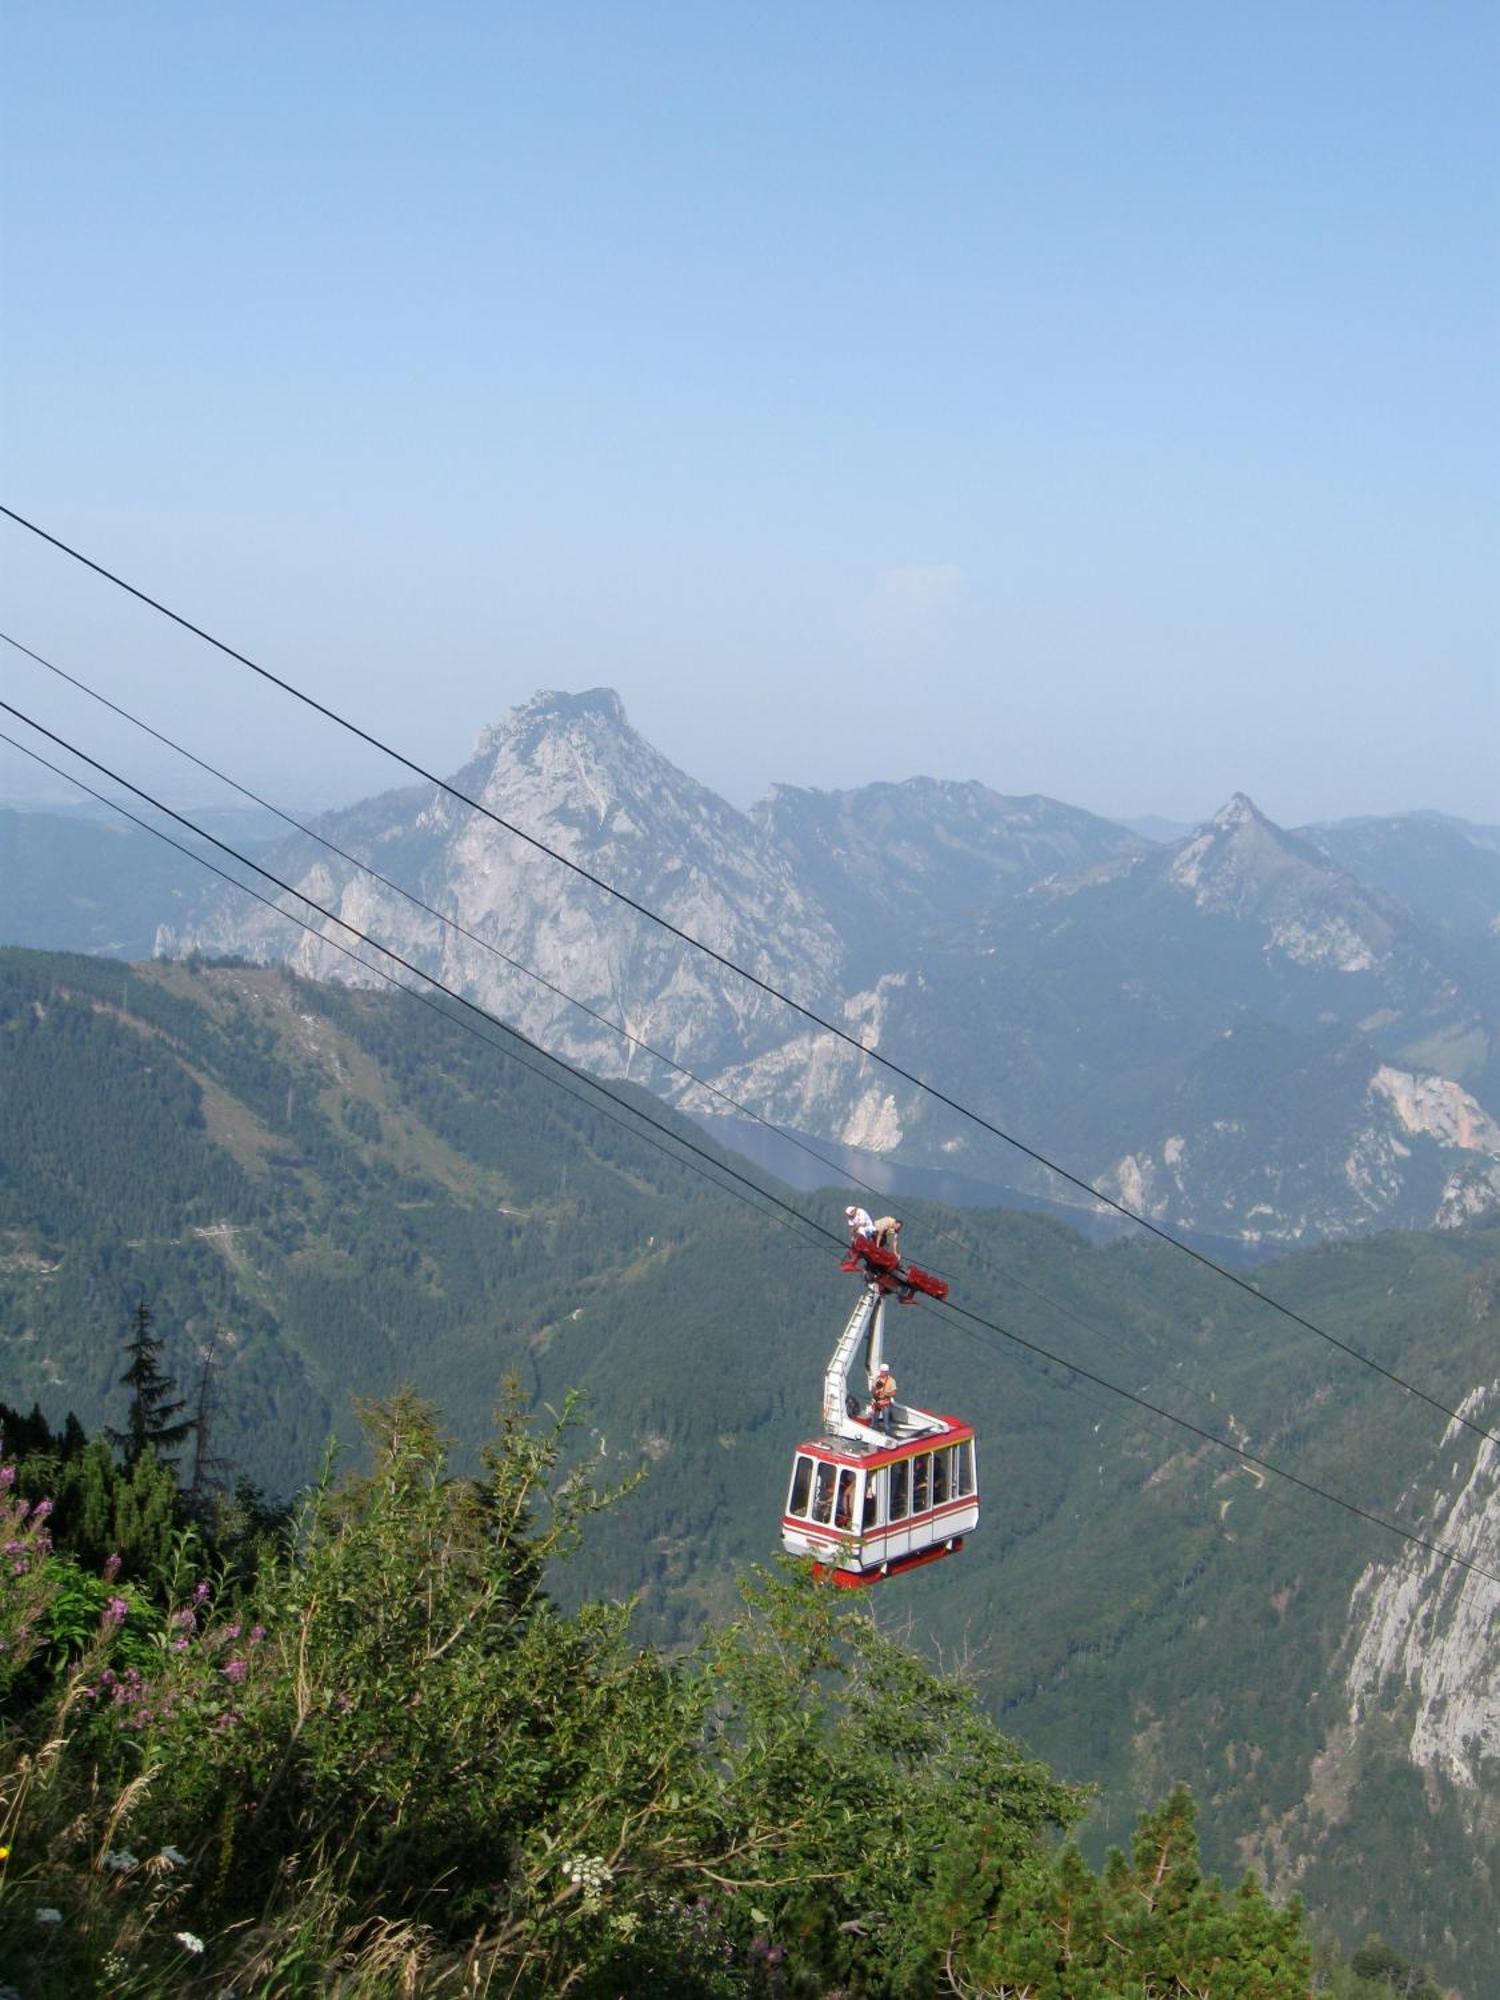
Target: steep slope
[1230,1033]
[926,859]
[1444,867]
[358,1193]
[571,770]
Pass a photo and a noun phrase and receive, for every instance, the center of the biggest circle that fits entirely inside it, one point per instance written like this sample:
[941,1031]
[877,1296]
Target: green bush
[383,1760]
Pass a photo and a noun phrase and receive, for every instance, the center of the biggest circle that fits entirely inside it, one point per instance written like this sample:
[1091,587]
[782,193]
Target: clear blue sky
[1092,399]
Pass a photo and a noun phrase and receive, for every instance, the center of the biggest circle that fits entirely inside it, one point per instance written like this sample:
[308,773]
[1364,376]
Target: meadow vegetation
[361,1749]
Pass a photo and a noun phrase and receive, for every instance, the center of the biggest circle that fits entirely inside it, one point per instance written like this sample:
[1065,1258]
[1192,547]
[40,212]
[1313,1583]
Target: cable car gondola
[865,1502]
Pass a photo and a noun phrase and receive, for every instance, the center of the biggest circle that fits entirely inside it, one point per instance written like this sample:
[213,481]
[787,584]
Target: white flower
[122,1863]
[189,1942]
[49,1916]
[173,1855]
[590,1873]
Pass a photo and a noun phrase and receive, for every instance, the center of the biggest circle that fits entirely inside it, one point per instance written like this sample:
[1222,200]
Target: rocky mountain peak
[552,710]
[1238,846]
[1243,865]
[1240,811]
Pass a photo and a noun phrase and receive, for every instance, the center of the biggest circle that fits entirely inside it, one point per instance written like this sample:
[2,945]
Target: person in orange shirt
[883,1401]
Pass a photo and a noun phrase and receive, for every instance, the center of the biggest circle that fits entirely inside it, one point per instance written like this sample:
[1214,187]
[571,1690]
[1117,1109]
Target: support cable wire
[887,1063]
[958,1313]
[836,1167]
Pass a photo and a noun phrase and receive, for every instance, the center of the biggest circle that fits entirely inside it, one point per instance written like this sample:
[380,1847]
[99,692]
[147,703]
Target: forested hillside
[355,1194]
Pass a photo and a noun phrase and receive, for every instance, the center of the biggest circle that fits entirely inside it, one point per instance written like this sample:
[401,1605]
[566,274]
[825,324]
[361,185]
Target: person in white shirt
[859,1221]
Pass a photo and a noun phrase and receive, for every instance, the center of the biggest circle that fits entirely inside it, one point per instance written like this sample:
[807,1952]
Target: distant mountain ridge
[1067,979]
[1248,1031]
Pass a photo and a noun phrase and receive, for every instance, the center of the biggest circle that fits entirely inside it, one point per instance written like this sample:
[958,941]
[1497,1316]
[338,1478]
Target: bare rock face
[569,770]
[1421,1656]
[1231,1032]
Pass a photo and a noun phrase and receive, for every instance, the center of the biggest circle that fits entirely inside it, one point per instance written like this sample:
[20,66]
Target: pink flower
[257,1633]
[200,1594]
[111,1568]
[235,1670]
[115,1611]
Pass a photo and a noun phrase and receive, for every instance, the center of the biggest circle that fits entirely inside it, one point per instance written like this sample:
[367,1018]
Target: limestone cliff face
[1423,1631]
[569,770]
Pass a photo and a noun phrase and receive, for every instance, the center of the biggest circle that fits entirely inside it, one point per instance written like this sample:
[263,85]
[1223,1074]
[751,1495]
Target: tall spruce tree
[154,1423]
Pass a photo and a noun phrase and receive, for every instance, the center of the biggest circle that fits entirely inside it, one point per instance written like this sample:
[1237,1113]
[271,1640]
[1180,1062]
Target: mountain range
[1265,1036]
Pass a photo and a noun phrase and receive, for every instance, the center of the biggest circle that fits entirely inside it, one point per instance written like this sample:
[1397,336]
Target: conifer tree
[150,1425]
[209,1478]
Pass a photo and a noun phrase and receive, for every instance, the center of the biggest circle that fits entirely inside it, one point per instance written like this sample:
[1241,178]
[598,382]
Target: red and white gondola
[865,1502]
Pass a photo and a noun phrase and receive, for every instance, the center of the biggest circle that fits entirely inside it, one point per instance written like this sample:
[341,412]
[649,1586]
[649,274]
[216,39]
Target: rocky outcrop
[1424,1628]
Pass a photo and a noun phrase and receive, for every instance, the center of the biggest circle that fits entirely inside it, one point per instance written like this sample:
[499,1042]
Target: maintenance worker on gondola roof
[883,1400]
[859,1221]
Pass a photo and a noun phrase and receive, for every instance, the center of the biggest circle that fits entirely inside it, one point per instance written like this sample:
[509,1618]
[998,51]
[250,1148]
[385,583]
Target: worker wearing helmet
[883,1400]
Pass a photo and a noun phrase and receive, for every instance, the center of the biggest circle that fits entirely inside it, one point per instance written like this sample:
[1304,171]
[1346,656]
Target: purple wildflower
[115,1611]
[235,1670]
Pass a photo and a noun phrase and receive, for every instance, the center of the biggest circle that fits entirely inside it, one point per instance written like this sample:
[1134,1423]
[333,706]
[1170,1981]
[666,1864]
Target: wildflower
[200,1594]
[121,1863]
[591,1874]
[115,1611]
[235,1670]
[7,1476]
[48,1915]
[189,1942]
[184,1620]
[174,1857]
[257,1633]
[111,1568]
[4,1854]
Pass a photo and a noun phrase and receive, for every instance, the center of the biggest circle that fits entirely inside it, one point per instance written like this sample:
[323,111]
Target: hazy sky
[1090,399]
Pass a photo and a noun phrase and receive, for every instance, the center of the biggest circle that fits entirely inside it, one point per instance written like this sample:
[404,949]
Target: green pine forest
[373,1222]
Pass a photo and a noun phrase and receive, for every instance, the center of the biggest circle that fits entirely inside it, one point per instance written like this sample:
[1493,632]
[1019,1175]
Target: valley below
[347,1192]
